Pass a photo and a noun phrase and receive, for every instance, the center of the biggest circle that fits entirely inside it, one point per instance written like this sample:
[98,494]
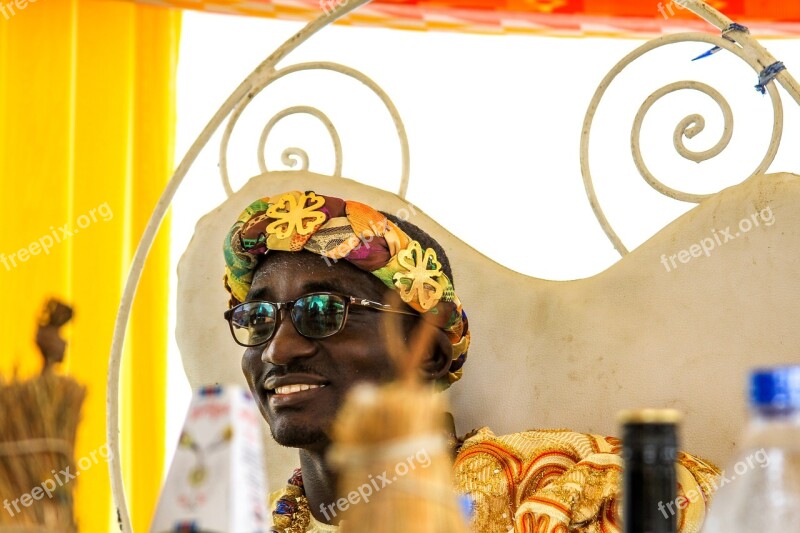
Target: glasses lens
[253,322]
[318,315]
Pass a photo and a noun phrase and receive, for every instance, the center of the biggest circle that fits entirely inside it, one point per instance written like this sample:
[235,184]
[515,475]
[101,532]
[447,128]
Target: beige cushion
[572,354]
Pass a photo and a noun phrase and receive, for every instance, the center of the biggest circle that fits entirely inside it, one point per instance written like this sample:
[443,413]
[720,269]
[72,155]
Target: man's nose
[286,344]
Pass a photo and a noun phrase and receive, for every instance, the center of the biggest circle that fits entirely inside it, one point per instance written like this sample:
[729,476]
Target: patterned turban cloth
[337,229]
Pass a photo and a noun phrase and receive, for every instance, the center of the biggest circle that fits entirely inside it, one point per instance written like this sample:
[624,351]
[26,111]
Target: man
[310,279]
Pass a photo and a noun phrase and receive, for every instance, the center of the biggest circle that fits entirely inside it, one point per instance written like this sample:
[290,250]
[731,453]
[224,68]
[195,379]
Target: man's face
[334,364]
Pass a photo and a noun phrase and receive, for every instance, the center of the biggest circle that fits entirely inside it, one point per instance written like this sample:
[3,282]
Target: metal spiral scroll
[291,155]
[688,127]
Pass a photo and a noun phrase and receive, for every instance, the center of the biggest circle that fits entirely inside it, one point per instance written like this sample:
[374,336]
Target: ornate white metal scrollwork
[736,41]
[689,127]
[290,155]
[270,76]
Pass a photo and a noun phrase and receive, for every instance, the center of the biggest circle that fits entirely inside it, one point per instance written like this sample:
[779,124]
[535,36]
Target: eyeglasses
[315,316]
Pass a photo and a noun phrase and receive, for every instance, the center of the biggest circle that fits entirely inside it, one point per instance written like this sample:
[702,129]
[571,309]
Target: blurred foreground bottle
[649,448]
[395,466]
[760,492]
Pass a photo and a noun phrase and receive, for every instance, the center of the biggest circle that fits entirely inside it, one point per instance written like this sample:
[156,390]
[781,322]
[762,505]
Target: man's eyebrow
[328,285]
[258,294]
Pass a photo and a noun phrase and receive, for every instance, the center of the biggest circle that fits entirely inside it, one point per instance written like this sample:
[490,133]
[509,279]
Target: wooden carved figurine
[54,315]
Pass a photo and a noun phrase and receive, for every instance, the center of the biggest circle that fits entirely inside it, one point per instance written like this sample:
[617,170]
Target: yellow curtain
[86,142]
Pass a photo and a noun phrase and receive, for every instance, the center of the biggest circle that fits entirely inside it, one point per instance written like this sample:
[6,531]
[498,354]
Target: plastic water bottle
[760,492]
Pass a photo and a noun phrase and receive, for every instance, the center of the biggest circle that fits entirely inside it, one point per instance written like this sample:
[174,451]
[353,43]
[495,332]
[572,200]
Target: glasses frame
[288,305]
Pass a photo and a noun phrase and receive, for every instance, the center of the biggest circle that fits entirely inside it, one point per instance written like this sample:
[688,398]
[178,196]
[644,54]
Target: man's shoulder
[528,444]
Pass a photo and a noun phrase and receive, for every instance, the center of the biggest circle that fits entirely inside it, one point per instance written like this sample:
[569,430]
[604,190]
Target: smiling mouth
[290,395]
[293,389]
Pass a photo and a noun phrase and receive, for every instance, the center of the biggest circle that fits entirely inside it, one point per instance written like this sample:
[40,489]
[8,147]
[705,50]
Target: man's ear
[436,363]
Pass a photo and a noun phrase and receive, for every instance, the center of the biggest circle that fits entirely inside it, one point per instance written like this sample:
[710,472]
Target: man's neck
[319,482]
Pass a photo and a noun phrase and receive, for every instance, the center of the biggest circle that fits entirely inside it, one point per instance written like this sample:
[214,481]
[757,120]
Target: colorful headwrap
[339,229]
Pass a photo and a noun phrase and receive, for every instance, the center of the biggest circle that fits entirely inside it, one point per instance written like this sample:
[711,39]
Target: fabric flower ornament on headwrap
[337,229]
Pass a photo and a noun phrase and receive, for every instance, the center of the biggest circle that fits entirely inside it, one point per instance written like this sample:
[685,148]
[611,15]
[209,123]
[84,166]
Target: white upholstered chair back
[572,354]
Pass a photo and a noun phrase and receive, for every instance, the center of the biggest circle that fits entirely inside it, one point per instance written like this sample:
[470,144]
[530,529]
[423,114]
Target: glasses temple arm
[379,306]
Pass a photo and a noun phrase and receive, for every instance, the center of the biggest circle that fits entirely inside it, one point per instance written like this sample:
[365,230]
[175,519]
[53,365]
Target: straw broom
[38,425]
[397,429]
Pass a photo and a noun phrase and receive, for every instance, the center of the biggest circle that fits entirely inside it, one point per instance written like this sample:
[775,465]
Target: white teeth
[290,389]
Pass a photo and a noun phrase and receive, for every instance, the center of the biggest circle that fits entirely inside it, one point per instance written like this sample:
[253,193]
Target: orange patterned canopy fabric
[549,17]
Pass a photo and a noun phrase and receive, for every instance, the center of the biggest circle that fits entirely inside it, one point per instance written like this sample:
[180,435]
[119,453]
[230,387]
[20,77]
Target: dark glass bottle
[649,449]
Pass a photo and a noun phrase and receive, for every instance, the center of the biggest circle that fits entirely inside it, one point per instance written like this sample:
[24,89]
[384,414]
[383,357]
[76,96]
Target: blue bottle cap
[775,388]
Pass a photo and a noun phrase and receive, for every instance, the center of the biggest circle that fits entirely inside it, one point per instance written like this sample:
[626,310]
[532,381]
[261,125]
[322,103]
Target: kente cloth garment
[555,481]
[346,230]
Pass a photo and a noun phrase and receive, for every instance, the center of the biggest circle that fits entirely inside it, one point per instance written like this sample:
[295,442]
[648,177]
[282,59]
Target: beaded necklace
[292,514]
